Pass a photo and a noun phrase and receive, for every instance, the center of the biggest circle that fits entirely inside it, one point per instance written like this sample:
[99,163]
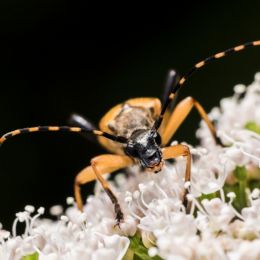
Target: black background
[59,57]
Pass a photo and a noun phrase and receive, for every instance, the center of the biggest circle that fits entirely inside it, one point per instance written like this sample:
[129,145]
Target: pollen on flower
[215,215]
[41,210]
[56,210]
[64,218]
[231,195]
[239,89]
[29,208]
[70,200]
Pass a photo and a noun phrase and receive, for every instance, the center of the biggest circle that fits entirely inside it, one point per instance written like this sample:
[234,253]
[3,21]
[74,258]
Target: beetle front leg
[174,152]
[180,113]
[102,164]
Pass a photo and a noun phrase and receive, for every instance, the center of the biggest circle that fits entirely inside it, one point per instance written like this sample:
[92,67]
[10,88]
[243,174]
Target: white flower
[153,204]
[246,250]
[62,240]
[56,210]
[219,213]
[232,116]
[209,173]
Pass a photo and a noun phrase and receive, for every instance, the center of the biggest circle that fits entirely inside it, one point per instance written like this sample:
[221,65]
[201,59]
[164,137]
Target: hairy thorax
[131,118]
[125,118]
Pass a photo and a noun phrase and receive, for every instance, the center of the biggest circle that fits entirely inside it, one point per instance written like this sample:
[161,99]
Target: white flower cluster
[63,239]
[233,119]
[212,228]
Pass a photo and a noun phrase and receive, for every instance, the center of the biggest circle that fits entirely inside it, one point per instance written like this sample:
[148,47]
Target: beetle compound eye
[158,139]
[131,150]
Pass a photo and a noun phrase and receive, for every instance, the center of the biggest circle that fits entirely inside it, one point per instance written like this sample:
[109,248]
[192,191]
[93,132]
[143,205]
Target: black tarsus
[118,211]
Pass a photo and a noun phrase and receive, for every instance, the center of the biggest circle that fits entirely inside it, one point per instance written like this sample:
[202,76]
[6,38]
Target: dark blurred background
[59,57]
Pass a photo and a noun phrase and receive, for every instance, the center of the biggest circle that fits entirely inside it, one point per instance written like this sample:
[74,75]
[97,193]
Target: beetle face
[145,146]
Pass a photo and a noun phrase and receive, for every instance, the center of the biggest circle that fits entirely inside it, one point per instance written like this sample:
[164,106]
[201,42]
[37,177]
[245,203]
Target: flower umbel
[221,220]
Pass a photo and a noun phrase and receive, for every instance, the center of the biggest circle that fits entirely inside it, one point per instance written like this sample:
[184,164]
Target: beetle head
[145,146]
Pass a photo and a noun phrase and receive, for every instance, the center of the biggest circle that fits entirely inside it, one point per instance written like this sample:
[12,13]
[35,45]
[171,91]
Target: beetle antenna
[8,135]
[196,67]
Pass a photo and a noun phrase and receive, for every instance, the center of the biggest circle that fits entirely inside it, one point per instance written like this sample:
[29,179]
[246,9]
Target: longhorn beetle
[137,131]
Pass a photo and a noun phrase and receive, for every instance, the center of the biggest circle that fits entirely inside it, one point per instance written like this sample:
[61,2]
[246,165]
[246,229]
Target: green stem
[33,256]
[240,174]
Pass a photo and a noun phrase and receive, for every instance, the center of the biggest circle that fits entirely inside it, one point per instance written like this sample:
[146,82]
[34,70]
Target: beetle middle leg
[171,80]
[102,164]
[179,114]
[80,121]
[175,151]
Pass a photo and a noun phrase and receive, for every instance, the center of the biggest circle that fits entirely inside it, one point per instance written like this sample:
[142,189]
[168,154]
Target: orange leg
[174,152]
[102,164]
[179,114]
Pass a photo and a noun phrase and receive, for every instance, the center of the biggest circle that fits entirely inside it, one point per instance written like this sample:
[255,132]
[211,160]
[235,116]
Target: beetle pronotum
[137,131]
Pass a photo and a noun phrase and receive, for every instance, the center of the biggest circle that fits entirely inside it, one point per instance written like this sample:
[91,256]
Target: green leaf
[252,126]
[33,256]
[138,251]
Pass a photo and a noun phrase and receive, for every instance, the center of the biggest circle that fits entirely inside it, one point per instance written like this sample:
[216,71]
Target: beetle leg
[171,80]
[175,151]
[180,113]
[80,121]
[102,164]
[171,152]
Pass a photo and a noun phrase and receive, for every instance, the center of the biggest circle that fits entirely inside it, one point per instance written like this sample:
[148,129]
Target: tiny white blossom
[196,219]
[56,210]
